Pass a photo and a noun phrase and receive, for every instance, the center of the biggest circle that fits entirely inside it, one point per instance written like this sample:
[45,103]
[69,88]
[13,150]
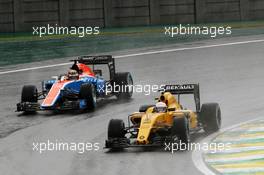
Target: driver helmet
[73,75]
[161,107]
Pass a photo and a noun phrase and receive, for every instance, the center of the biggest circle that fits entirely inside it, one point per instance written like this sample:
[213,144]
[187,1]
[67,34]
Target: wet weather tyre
[29,94]
[116,129]
[180,128]
[210,117]
[123,83]
[88,92]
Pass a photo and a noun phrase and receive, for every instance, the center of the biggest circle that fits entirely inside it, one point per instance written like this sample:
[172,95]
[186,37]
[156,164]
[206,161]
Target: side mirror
[98,72]
[55,77]
[171,109]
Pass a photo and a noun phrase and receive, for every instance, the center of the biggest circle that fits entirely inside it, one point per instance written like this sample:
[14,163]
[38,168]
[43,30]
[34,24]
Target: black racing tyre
[144,108]
[123,84]
[180,128]
[88,92]
[210,116]
[116,128]
[29,94]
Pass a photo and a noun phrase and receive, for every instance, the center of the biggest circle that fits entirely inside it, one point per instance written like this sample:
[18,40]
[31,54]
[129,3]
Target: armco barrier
[22,15]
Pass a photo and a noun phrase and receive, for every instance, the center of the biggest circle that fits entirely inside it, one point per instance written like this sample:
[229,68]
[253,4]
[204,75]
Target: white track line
[34,68]
[197,156]
[190,48]
[140,54]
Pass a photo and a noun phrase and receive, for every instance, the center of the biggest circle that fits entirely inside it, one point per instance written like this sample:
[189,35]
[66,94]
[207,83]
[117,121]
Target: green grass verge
[20,48]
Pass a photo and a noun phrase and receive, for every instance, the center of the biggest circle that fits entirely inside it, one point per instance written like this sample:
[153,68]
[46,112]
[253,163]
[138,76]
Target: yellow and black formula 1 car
[167,121]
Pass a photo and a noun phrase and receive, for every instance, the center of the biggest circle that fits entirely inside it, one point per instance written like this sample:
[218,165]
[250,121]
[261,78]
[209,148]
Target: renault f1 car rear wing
[100,59]
[185,89]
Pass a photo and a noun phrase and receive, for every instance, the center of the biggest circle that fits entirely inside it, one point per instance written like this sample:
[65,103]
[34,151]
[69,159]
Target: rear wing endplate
[185,89]
[95,60]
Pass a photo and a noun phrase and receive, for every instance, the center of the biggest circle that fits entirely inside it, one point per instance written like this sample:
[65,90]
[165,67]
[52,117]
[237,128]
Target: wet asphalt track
[230,75]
